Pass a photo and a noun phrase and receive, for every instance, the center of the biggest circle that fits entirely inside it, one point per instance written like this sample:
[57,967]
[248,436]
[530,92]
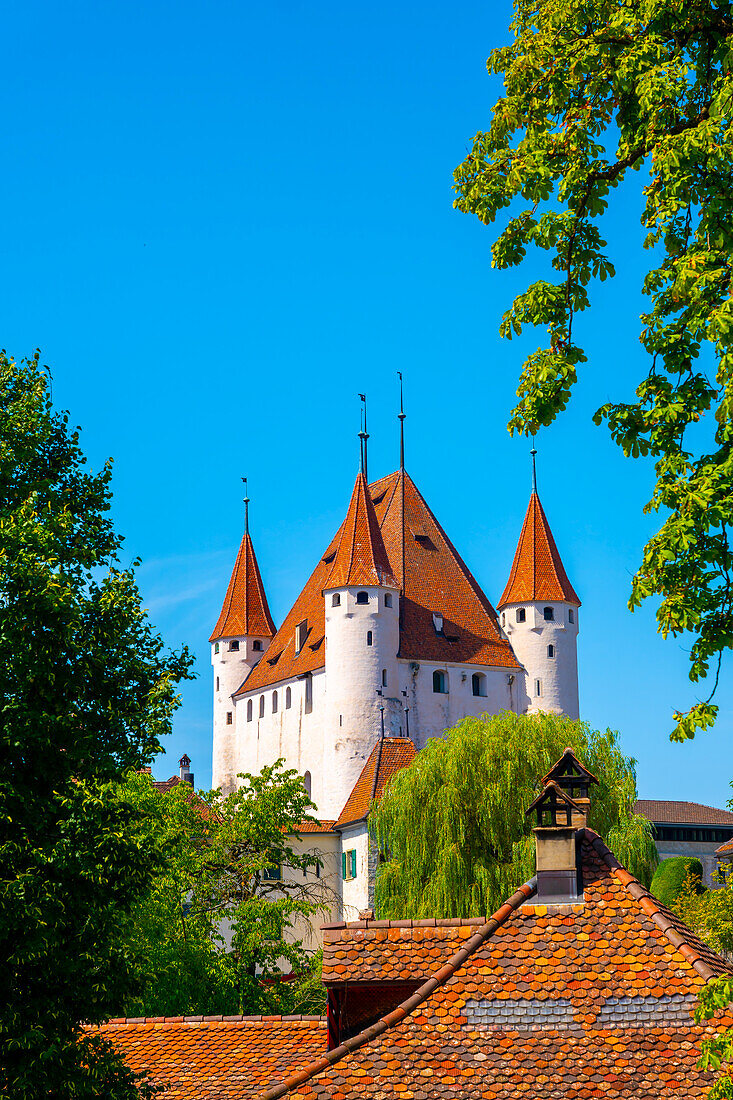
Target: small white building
[390,642]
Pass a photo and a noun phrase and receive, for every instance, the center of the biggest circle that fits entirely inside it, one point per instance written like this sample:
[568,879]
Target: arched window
[288,698]
[478,684]
[307,783]
[216,644]
[362,597]
[336,600]
[249,710]
[521,614]
[234,647]
[274,702]
[440,682]
[550,651]
[262,706]
[257,646]
[369,637]
[549,613]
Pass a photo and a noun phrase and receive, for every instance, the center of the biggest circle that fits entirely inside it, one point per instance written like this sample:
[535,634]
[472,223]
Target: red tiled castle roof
[537,571]
[245,609]
[433,580]
[388,756]
[360,556]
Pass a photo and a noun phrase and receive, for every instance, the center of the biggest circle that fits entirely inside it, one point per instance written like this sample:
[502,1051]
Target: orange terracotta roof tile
[245,609]
[316,826]
[433,580]
[388,756]
[725,849]
[681,813]
[537,572]
[215,1057]
[360,556]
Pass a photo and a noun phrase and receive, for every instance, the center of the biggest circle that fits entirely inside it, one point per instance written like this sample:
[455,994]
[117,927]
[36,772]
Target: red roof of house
[569,1001]
[682,813]
[725,849]
[215,1057]
[537,571]
[434,580]
[360,555]
[316,826]
[388,756]
[245,609]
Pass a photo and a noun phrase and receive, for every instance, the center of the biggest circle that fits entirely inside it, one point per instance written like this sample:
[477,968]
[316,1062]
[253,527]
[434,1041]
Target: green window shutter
[352,854]
[343,865]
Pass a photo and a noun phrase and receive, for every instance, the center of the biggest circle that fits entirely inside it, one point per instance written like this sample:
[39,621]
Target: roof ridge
[526,891]
[685,945]
[235,1019]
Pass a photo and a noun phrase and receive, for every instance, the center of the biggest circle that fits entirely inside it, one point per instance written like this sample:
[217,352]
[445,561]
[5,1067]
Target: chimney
[561,809]
[185,772]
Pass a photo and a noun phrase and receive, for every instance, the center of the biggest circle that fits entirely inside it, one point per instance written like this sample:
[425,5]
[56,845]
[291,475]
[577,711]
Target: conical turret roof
[537,571]
[360,555]
[245,610]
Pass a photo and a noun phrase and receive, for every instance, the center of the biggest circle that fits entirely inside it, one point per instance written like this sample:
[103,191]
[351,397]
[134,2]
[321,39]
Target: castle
[390,642]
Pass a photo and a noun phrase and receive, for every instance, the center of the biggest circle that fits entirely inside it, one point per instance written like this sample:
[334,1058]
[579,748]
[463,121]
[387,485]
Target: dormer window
[521,614]
[234,647]
[438,622]
[301,633]
[549,614]
[336,600]
[257,646]
[362,597]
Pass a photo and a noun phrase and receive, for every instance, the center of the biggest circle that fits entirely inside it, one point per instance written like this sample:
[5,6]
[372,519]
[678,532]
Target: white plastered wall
[432,712]
[355,892]
[558,675]
[230,667]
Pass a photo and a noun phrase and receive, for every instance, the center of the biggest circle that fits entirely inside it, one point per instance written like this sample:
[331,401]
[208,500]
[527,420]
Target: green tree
[86,693]
[675,876]
[472,850]
[220,917]
[709,913]
[593,92]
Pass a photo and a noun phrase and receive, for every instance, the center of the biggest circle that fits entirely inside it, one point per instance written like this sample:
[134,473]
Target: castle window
[348,864]
[521,614]
[301,633]
[308,693]
[262,706]
[217,683]
[272,874]
[216,647]
[538,687]
[384,677]
[387,599]
[362,597]
[478,684]
[274,702]
[571,615]
[288,698]
[440,682]
[234,647]
[307,783]
[549,614]
[503,618]
[257,646]
[336,600]
[369,637]
[249,710]
[229,718]
[550,651]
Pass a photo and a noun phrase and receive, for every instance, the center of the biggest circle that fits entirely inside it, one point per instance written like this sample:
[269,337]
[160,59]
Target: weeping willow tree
[454,826]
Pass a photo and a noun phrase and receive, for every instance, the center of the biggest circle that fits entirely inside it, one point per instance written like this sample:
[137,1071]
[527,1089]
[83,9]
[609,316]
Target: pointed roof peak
[361,557]
[537,570]
[245,610]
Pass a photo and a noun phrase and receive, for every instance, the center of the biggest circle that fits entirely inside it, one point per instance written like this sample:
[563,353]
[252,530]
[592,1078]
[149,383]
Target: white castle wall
[230,667]
[558,675]
[355,671]
[432,712]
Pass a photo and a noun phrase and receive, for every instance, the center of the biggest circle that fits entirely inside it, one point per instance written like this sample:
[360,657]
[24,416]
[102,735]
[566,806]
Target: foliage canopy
[86,692]
[475,847]
[593,92]
[680,874]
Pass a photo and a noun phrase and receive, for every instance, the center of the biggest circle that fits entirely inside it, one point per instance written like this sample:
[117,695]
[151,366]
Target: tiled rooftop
[682,813]
[391,755]
[537,571]
[360,555]
[245,609]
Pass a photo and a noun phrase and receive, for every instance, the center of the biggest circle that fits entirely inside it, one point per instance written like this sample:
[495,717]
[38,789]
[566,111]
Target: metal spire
[246,507]
[401,417]
[533,452]
[364,436]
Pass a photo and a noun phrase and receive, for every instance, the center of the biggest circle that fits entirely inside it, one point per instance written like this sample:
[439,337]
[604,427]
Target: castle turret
[361,597]
[539,613]
[242,634]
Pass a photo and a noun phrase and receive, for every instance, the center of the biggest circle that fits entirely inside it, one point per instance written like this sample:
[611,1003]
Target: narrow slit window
[384,677]
[288,698]
[274,702]
[249,710]
[262,706]
[550,651]
[229,718]
[307,783]
[370,638]
[538,687]
[217,683]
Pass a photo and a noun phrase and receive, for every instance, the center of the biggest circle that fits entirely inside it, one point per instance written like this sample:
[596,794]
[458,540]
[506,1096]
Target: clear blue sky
[222,221]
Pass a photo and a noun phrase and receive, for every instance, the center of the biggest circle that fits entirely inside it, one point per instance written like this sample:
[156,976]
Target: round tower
[362,638]
[539,614]
[242,634]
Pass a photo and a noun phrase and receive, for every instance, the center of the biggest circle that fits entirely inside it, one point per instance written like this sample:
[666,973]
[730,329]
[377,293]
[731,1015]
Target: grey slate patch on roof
[521,1015]
[671,1010]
